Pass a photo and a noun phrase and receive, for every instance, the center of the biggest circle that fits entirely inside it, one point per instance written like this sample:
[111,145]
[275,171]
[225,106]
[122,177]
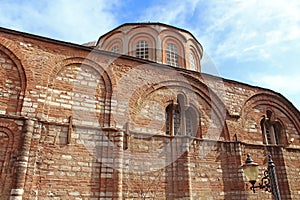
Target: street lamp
[268,182]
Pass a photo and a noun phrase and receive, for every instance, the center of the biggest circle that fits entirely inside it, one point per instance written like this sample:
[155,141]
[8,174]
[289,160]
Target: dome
[156,42]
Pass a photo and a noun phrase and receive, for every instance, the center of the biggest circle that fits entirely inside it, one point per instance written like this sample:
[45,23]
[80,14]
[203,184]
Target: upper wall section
[155,42]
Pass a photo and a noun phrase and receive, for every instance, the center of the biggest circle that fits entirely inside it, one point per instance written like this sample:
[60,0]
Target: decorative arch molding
[146,29]
[107,89]
[84,61]
[143,29]
[198,48]
[180,47]
[272,101]
[102,42]
[10,135]
[21,74]
[147,36]
[170,33]
[198,88]
[11,129]
[115,41]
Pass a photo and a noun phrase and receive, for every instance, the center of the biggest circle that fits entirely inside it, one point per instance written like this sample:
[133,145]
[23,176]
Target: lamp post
[268,182]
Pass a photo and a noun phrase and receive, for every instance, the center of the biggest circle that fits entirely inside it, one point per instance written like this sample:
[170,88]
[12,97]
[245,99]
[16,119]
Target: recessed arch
[14,94]
[134,38]
[271,101]
[76,86]
[265,105]
[10,140]
[214,107]
[174,47]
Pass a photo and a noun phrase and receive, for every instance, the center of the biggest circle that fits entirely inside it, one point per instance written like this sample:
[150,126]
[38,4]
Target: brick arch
[101,86]
[194,51]
[9,65]
[135,37]
[198,47]
[10,138]
[180,47]
[118,41]
[84,61]
[170,33]
[271,101]
[103,42]
[200,90]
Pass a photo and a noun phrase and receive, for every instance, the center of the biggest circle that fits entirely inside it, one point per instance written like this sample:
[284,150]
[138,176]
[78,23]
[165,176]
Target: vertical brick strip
[119,163]
[17,192]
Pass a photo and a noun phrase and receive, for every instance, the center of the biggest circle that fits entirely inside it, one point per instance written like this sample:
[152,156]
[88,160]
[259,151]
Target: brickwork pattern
[83,124]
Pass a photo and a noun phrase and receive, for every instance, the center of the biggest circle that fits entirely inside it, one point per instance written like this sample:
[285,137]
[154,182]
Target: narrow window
[142,50]
[271,129]
[192,62]
[180,121]
[173,120]
[177,121]
[168,119]
[172,55]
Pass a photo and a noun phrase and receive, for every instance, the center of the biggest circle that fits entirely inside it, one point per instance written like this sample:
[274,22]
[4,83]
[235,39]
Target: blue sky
[255,42]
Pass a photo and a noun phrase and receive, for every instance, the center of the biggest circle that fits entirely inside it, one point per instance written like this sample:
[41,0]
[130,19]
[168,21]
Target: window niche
[181,119]
[172,55]
[272,130]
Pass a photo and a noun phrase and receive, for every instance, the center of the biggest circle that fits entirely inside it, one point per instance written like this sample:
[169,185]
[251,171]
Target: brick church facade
[131,116]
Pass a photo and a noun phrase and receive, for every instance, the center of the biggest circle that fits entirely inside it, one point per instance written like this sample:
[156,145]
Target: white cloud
[171,12]
[244,29]
[76,21]
[287,85]
[290,84]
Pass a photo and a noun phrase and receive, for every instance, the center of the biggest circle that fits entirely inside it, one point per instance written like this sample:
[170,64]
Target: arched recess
[171,40]
[10,138]
[202,100]
[104,42]
[12,82]
[194,59]
[257,107]
[142,36]
[81,88]
[112,43]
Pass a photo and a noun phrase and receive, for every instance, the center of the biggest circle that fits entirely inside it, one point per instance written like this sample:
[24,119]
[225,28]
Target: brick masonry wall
[10,85]
[99,128]
[10,139]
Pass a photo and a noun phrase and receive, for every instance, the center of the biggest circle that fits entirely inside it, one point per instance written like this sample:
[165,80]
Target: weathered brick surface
[99,128]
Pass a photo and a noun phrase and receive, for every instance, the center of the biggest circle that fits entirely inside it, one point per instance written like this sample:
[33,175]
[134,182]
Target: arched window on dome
[142,49]
[115,49]
[192,62]
[172,55]
[271,129]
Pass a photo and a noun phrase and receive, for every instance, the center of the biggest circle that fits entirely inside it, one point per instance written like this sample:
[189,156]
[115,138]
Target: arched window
[180,121]
[177,120]
[115,49]
[172,55]
[192,62]
[191,122]
[173,120]
[271,129]
[142,50]
[169,119]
